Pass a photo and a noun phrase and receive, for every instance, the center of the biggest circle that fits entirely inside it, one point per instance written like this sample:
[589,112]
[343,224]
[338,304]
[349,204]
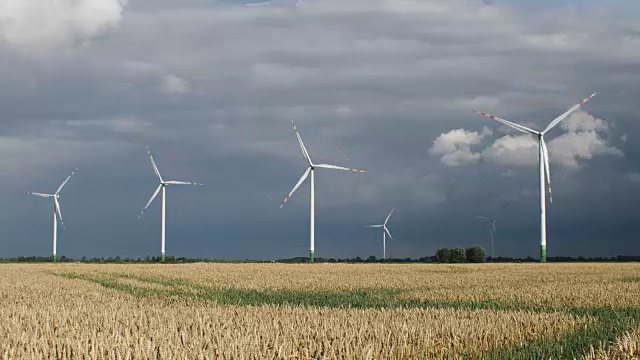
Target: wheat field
[321,311]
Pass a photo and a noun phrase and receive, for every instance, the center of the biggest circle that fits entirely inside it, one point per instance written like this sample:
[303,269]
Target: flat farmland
[321,311]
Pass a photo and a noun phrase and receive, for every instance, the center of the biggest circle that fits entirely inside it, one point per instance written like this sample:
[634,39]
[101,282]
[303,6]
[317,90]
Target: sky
[387,86]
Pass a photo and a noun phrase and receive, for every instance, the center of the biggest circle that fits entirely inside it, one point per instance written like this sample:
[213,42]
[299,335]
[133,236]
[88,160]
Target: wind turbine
[385,232]
[492,228]
[57,213]
[162,186]
[543,159]
[311,169]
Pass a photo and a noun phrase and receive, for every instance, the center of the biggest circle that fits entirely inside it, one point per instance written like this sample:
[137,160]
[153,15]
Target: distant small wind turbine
[57,212]
[162,186]
[311,169]
[385,232]
[492,228]
[543,158]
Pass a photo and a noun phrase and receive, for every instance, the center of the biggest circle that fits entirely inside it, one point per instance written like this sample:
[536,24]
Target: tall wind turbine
[544,165]
[492,228]
[162,186]
[385,232]
[311,169]
[57,213]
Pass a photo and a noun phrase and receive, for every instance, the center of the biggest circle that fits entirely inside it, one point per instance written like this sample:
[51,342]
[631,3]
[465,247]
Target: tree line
[473,254]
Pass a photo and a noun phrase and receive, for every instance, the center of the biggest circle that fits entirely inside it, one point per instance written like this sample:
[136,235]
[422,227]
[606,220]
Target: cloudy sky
[382,85]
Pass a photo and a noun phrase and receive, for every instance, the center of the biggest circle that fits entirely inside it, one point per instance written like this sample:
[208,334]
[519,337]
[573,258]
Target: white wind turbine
[385,232]
[162,186]
[544,165]
[57,212]
[492,228]
[311,169]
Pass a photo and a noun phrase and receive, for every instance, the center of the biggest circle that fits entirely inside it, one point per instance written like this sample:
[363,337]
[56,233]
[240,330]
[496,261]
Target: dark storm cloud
[372,84]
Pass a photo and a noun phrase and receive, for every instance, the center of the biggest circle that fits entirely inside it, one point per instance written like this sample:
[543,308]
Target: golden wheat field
[321,311]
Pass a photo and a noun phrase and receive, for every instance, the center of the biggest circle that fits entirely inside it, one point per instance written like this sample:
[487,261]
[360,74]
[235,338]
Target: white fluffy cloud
[512,150]
[172,84]
[455,146]
[583,141]
[49,23]
[568,149]
[583,121]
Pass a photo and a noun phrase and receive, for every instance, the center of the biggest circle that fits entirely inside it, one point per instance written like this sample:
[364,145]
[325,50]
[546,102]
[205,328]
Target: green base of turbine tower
[54,258]
[543,254]
[312,258]
[162,258]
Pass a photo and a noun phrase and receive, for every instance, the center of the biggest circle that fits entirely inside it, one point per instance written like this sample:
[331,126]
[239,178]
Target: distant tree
[443,255]
[371,258]
[475,254]
[458,255]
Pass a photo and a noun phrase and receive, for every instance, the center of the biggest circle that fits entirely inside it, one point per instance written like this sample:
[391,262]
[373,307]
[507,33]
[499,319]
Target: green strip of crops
[611,323]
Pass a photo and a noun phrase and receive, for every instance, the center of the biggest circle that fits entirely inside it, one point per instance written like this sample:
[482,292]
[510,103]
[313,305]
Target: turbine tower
[162,186]
[492,228]
[57,212]
[385,232]
[311,169]
[543,158]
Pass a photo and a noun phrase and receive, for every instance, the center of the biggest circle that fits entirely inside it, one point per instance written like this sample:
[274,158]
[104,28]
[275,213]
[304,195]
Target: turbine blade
[265,3]
[65,182]
[153,163]
[305,153]
[174,182]
[547,170]
[374,226]
[388,233]
[385,222]
[58,211]
[39,194]
[575,107]
[493,225]
[484,218]
[302,179]
[518,127]
[150,200]
[327,166]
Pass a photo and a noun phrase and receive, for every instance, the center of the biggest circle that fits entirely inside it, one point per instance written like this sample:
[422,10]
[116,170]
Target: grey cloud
[371,84]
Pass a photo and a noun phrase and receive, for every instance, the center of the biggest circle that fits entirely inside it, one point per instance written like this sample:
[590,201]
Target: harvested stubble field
[322,311]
